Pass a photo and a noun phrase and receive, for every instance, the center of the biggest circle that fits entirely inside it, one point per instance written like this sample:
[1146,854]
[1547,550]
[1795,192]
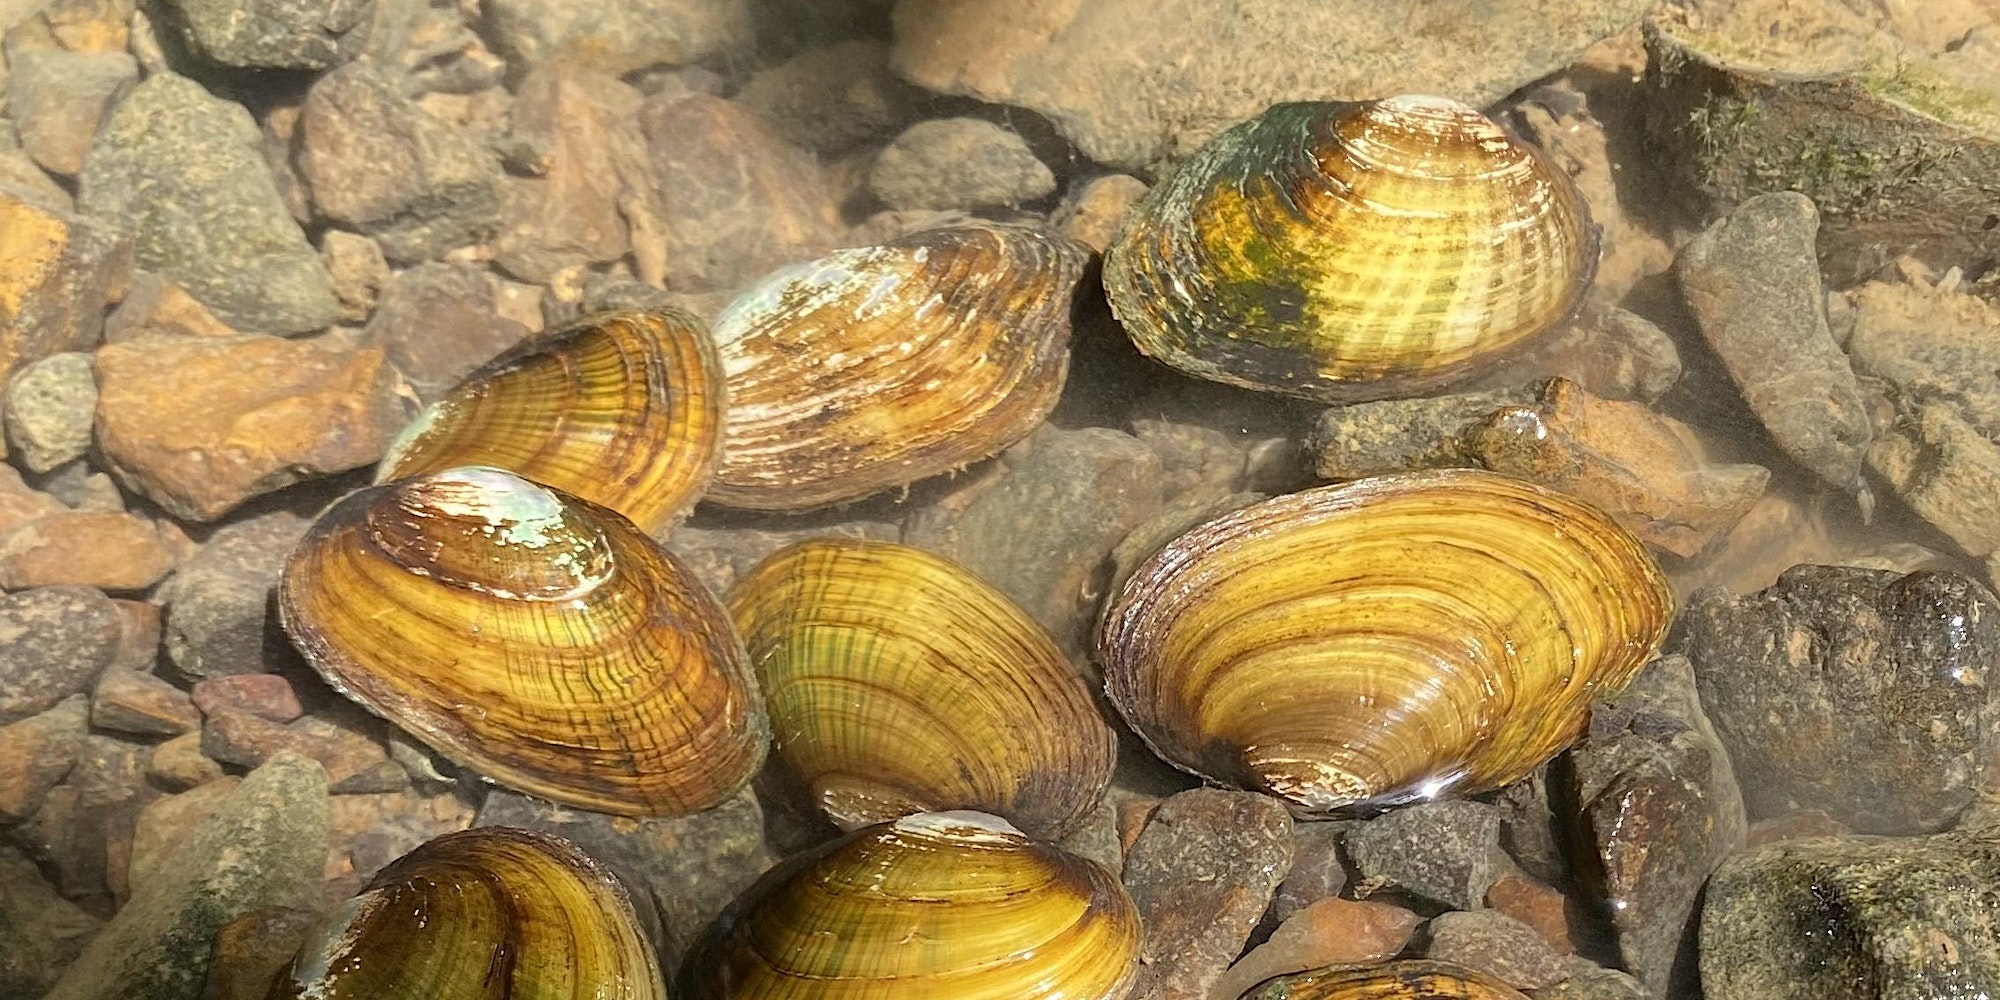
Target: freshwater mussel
[1344,251]
[874,367]
[1382,641]
[1412,979]
[532,636]
[954,904]
[898,682]
[491,912]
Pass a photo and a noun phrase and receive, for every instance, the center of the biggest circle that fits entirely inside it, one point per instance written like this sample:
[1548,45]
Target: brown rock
[156,306]
[438,322]
[57,271]
[20,503]
[1610,353]
[53,643]
[1094,210]
[271,412]
[1328,932]
[178,764]
[57,97]
[354,762]
[1945,469]
[166,820]
[739,201]
[139,638]
[252,949]
[1403,435]
[35,754]
[832,98]
[127,701]
[593,198]
[1317,872]
[1546,910]
[107,550]
[358,269]
[1558,118]
[1633,463]
[218,604]
[85,841]
[43,931]
[1494,943]
[267,696]
[1202,873]
[718,555]
[1133,815]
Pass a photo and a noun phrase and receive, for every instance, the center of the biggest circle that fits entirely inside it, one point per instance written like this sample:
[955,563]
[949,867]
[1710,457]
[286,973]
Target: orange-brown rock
[200,425]
[178,764]
[21,503]
[156,306]
[127,701]
[592,197]
[108,550]
[1539,906]
[1329,931]
[56,273]
[251,950]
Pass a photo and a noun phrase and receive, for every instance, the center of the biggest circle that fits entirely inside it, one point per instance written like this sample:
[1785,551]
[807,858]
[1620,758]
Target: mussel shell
[623,409]
[490,912]
[955,904]
[1382,641]
[874,367]
[1406,980]
[532,636]
[1348,251]
[897,682]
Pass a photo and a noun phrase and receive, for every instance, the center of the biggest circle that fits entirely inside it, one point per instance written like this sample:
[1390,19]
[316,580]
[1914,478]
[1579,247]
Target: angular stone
[354,760]
[719,554]
[592,198]
[184,171]
[272,34]
[958,163]
[681,871]
[1494,943]
[1802,825]
[1945,469]
[1212,438]
[1094,210]
[1330,931]
[833,98]
[1662,809]
[1752,282]
[91,858]
[437,322]
[40,932]
[109,550]
[48,410]
[1546,910]
[1447,853]
[272,412]
[1853,691]
[21,504]
[738,200]
[35,754]
[1933,346]
[1895,919]
[252,949]
[375,163]
[166,821]
[1131,86]
[1097,839]
[358,269]
[1202,873]
[1611,353]
[1317,871]
[155,305]
[615,36]
[21,175]
[218,618]
[127,701]
[1404,435]
[57,98]
[1529,828]
[178,764]
[56,273]
[53,642]
[1586,980]
[267,696]
[264,846]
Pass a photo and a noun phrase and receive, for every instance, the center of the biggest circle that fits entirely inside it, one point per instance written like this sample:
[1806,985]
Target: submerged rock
[958,163]
[1446,853]
[1202,872]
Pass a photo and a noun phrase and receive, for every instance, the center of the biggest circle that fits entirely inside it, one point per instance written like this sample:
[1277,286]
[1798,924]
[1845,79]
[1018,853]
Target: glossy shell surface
[1383,641]
[1348,251]
[532,636]
[955,904]
[490,912]
[898,682]
[1406,980]
[623,409]
[874,367]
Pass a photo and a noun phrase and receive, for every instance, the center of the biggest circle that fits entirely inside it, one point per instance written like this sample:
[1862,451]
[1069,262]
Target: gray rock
[25,178]
[48,410]
[358,269]
[958,163]
[1447,853]
[591,197]
[1093,211]
[264,846]
[1403,435]
[1494,943]
[184,171]
[1215,438]
[1752,281]
[615,36]
[53,642]
[1097,838]
[37,752]
[1612,353]
[1661,809]
[681,871]
[1528,828]
[377,164]
[1317,872]
[1586,980]
[1202,873]
[831,99]
[57,98]
[1944,468]
[40,932]
[1933,346]
[437,322]
[217,619]
[1854,918]
[271,34]
[1131,85]
[1853,691]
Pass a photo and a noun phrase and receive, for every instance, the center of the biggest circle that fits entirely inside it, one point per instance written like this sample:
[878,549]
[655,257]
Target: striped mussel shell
[1412,979]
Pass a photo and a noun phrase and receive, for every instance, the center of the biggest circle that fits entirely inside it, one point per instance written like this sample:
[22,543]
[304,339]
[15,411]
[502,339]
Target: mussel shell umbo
[623,409]
[1413,979]
[874,367]
[955,904]
[898,682]
[1348,251]
[1382,641]
[532,636]
[481,914]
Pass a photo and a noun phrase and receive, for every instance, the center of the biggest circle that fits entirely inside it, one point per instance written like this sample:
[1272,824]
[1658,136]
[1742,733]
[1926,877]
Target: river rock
[273,412]
[1752,282]
[372,829]
[346,742]
[1328,932]
[833,98]
[109,550]
[1494,943]
[184,170]
[438,322]
[40,932]
[615,36]
[1404,435]
[1445,853]
[178,764]
[358,270]
[251,950]
[1317,870]
[127,701]
[264,846]
[218,620]
[57,271]
[1610,353]
[57,99]
[48,409]
[1586,980]
[1202,873]
[721,552]
[591,197]
[268,696]
[958,163]
[155,305]
[271,34]
[36,753]
[1545,909]
[1661,809]
[53,642]
[1944,468]
[1861,692]
[165,821]
[1093,211]
[375,163]
[1854,918]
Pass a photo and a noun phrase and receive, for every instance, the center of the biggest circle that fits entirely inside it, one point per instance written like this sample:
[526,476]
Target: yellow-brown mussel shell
[532,636]
[481,914]
[874,367]
[623,409]
[956,904]
[1348,251]
[1385,640]
[897,682]
[1407,980]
